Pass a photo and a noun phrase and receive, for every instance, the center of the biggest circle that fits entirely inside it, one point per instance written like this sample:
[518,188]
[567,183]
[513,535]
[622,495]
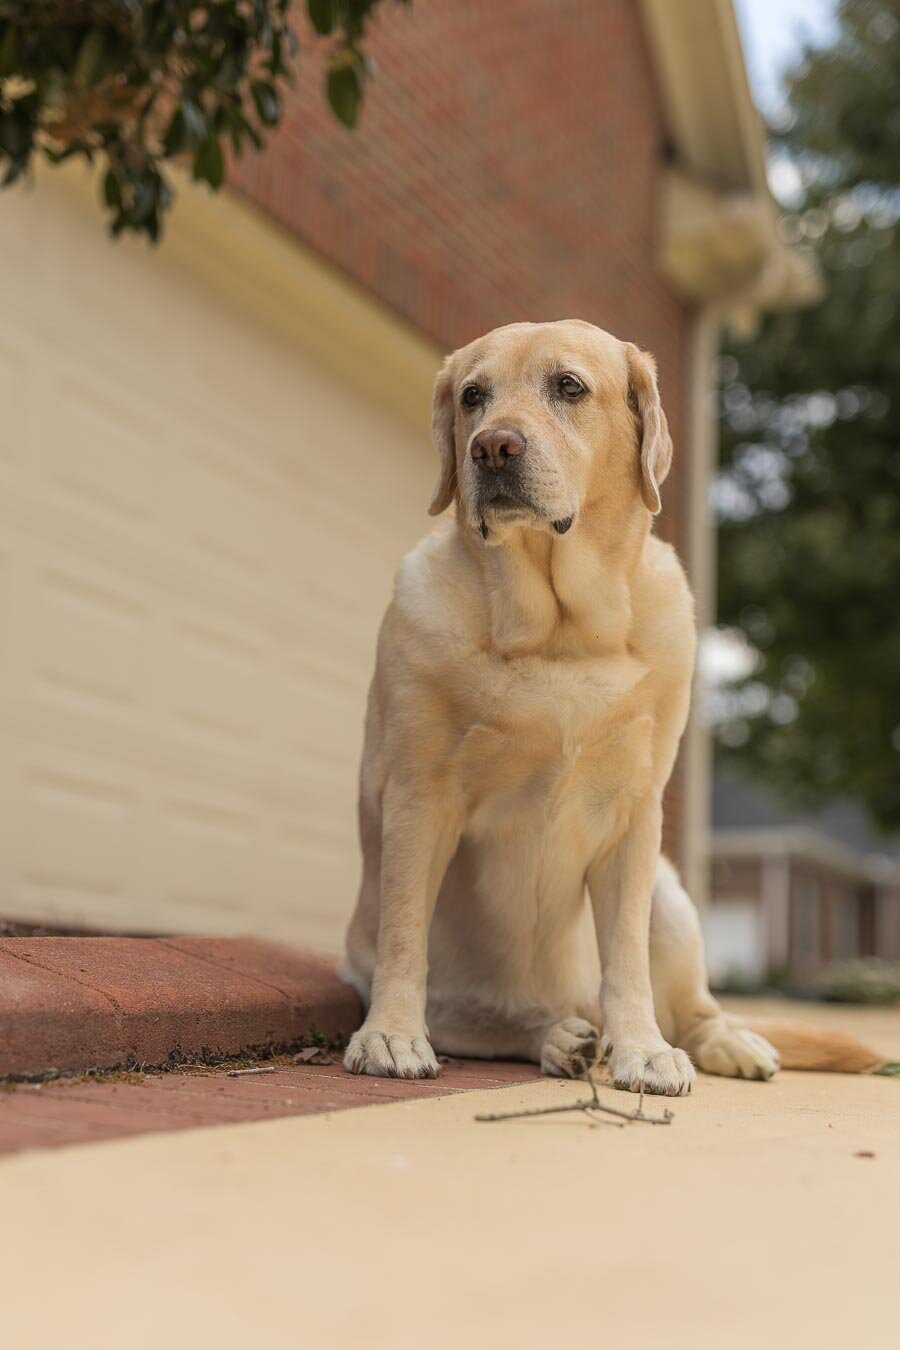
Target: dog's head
[537,424]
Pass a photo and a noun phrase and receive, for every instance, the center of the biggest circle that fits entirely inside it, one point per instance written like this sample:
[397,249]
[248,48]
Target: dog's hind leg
[687,1013]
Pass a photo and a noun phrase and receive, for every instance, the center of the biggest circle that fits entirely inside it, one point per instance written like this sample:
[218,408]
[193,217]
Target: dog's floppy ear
[653,429]
[443,416]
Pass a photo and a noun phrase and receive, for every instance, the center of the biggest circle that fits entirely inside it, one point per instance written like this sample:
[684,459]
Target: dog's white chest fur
[554,741]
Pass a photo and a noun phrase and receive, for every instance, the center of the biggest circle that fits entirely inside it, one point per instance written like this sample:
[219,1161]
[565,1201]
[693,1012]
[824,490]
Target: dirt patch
[205,1063]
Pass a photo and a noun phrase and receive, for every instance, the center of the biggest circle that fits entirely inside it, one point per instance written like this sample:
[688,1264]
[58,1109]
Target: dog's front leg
[621,887]
[420,830]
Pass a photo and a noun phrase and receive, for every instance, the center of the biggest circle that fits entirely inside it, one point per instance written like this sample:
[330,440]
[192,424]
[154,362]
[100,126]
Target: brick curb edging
[71,1004]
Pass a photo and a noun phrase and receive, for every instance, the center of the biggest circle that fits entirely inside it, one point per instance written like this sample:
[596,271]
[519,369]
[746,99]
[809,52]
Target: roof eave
[719,239]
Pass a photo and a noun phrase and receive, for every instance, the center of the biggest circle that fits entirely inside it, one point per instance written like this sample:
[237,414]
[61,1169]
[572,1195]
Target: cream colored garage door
[199,520]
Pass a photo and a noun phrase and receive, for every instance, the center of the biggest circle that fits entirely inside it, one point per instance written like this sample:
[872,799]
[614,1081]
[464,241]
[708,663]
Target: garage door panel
[311,715]
[351,515]
[229,514]
[103,453]
[13,402]
[5,600]
[91,640]
[198,531]
[72,855]
[213,848]
[305,876]
[213,678]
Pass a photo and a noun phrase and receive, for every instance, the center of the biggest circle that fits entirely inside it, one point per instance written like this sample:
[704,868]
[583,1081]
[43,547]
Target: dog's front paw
[387,1055]
[664,1070]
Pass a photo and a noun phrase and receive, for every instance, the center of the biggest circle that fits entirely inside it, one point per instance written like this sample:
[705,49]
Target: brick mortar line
[59,975]
[231,970]
[158,942]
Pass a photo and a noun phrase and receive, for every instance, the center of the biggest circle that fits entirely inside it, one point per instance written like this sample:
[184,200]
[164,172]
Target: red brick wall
[506,167]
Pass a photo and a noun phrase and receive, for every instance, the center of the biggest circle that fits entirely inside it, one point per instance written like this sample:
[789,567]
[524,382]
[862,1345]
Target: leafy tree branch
[132,84]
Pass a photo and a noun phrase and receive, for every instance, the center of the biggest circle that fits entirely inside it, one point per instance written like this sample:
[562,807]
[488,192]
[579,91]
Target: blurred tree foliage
[133,83]
[809,490]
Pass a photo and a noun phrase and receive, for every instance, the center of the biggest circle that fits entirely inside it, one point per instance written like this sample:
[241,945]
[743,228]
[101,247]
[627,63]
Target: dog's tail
[807,1047]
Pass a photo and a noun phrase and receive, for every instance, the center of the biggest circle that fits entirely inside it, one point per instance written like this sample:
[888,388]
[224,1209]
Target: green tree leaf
[322,16]
[344,93]
[112,189]
[165,78]
[209,163]
[90,58]
[175,139]
[193,125]
[11,49]
[16,133]
[268,104]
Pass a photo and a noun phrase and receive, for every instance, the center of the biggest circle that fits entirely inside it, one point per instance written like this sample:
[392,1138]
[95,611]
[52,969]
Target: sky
[773,33]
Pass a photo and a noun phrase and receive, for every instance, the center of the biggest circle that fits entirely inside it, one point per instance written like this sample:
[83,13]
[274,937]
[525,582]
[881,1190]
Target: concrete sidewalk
[766,1214]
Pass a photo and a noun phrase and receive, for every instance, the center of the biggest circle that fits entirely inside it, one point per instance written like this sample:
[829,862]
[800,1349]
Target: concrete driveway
[765,1215]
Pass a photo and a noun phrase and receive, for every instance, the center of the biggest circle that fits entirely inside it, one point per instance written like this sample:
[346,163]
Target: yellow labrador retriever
[532,683]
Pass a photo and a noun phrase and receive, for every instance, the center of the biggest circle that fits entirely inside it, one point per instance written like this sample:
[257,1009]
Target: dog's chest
[556,742]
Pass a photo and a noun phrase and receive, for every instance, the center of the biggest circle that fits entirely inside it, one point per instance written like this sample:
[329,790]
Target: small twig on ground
[587,1105]
[240,1073]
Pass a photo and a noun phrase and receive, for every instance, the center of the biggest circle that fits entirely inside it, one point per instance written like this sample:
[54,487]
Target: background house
[213,454]
[791,892]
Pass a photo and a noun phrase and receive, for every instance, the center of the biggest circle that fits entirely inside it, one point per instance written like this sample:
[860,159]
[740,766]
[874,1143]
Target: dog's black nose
[494,449]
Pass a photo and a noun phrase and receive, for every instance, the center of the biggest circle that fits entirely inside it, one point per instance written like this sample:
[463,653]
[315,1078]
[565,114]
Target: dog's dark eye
[471,396]
[569,387]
